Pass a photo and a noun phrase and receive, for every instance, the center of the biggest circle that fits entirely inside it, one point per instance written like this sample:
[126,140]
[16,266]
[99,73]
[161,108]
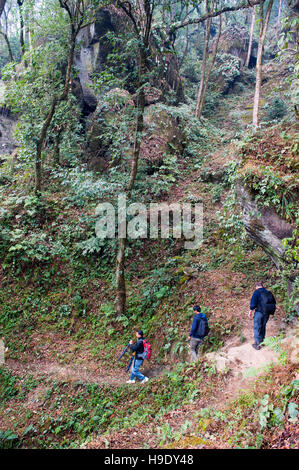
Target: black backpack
[203,327]
[267,303]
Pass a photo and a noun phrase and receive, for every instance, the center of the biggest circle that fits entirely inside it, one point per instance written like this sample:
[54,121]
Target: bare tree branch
[241,6]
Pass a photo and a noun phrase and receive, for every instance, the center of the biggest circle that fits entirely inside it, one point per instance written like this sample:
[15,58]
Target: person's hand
[249,313]
[189,338]
[131,341]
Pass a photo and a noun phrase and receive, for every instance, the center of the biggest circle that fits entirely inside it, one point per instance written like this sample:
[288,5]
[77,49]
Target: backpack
[203,328]
[147,350]
[267,303]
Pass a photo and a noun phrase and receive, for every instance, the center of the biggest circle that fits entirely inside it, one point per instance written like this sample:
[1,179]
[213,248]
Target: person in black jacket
[137,349]
[194,337]
[263,302]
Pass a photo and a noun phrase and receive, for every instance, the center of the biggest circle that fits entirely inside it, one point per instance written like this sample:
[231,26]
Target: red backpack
[147,350]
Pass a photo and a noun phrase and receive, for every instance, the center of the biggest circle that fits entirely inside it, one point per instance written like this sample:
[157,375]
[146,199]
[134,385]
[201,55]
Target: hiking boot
[144,380]
[130,381]
[256,346]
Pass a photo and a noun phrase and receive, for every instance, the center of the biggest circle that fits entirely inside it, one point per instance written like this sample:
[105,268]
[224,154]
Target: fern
[274,343]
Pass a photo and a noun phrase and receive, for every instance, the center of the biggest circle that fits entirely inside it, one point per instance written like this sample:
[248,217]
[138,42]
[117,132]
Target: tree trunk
[49,117]
[120,278]
[186,46]
[251,36]
[279,11]
[143,39]
[120,263]
[8,46]
[39,147]
[204,63]
[262,35]
[204,91]
[22,33]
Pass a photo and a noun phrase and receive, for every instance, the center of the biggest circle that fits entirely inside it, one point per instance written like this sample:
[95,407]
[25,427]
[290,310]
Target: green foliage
[269,416]
[158,285]
[120,70]
[228,66]
[272,190]
[291,245]
[276,109]
[83,186]
[8,440]
[28,248]
[274,342]
[163,179]
[8,385]
[30,93]
[230,217]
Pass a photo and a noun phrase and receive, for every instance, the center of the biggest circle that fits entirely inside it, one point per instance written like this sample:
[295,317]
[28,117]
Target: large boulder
[162,135]
[99,124]
[268,230]
[8,122]
[234,41]
[264,226]
[92,55]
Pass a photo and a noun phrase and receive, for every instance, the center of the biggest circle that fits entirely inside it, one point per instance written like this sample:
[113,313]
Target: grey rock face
[264,226]
[91,57]
[268,230]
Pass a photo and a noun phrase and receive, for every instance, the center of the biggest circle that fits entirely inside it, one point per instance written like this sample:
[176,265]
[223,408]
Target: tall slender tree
[22,26]
[206,70]
[204,57]
[253,15]
[140,14]
[264,21]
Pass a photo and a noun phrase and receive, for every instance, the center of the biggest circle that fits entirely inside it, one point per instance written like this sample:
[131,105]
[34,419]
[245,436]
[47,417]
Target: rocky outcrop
[162,132]
[7,140]
[92,56]
[101,121]
[163,136]
[268,230]
[264,226]
[235,41]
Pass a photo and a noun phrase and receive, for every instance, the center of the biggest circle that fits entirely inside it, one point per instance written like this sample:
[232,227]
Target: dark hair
[259,283]
[140,332]
[196,308]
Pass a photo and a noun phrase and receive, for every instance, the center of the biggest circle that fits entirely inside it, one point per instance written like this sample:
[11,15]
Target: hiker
[264,304]
[137,349]
[199,330]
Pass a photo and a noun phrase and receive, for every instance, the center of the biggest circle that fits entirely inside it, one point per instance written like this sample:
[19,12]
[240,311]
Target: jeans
[194,345]
[259,326]
[137,363]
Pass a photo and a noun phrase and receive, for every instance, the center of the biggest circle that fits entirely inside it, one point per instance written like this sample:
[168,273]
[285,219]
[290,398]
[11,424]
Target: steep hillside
[62,386]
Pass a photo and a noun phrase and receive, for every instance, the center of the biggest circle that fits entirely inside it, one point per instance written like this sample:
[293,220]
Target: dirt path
[233,356]
[67,373]
[238,358]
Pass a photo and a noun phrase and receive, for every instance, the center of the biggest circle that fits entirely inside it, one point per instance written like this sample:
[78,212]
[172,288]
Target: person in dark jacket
[137,349]
[260,316]
[195,339]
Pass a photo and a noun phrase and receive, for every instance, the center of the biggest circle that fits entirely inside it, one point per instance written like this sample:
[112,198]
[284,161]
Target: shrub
[276,110]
